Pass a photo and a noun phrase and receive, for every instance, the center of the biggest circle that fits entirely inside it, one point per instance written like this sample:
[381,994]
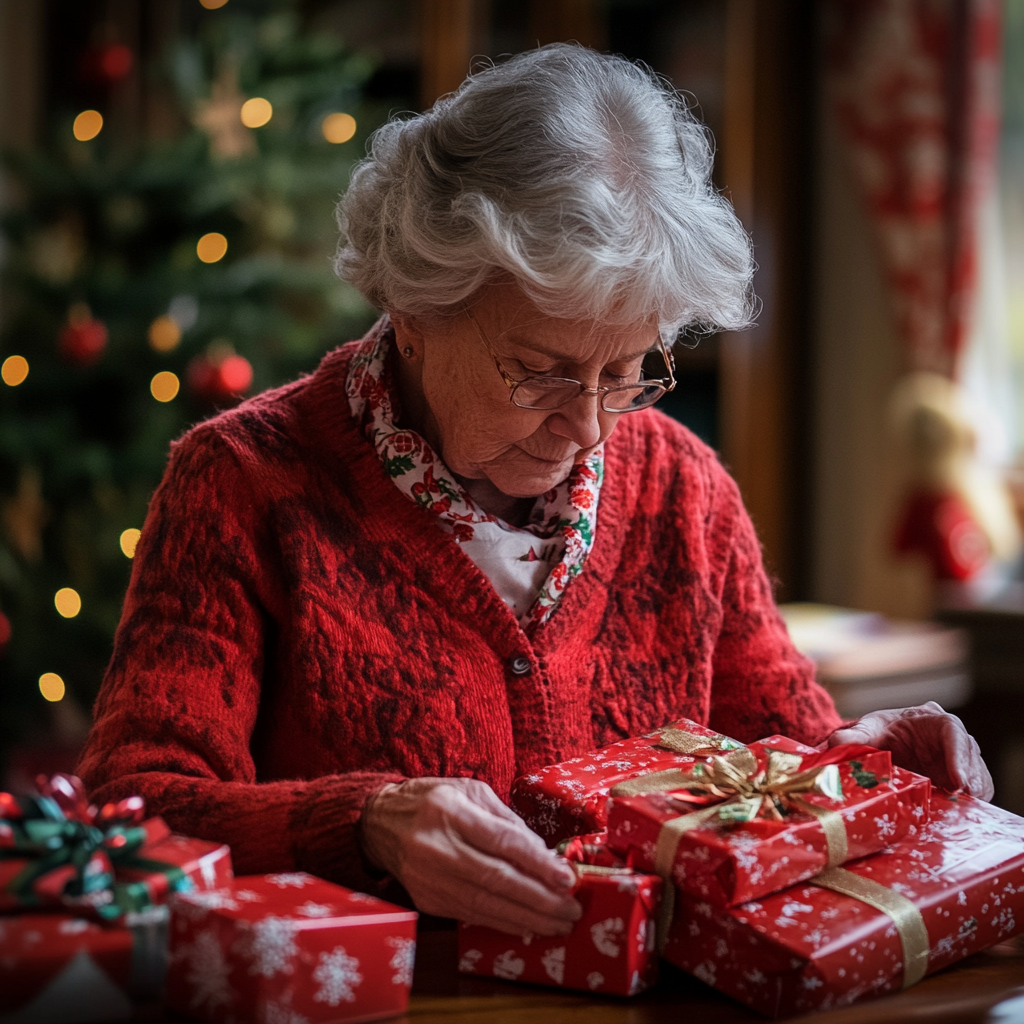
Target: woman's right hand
[460,852]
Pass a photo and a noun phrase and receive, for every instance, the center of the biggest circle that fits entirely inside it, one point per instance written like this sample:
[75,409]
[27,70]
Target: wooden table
[988,987]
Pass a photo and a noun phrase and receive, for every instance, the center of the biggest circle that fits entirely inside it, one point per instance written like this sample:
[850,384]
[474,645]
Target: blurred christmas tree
[145,285]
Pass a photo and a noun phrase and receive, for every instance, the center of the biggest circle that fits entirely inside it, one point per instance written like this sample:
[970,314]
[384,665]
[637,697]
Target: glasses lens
[631,399]
[545,392]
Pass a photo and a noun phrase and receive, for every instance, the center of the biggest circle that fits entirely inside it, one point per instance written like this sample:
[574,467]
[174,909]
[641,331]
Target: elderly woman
[467,546]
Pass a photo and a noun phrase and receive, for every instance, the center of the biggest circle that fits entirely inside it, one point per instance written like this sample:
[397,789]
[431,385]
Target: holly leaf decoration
[865,779]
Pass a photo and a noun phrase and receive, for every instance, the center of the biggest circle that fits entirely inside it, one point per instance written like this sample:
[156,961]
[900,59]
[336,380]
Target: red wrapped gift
[611,949]
[760,819]
[58,967]
[289,947]
[568,799]
[945,891]
[57,850]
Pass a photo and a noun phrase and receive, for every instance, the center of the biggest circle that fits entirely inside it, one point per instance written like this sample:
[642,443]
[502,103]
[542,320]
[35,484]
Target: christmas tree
[146,284]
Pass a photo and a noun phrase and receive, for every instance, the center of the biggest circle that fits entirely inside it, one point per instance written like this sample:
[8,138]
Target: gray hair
[583,176]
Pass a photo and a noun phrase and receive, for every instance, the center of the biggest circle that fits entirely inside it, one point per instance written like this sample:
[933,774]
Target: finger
[965,764]
[868,731]
[479,792]
[495,911]
[513,841]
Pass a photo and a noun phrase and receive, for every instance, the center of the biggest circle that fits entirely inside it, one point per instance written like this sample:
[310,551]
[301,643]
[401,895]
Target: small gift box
[758,819]
[58,967]
[289,947]
[568,799]
[57,850]
[611,949]
[943,892]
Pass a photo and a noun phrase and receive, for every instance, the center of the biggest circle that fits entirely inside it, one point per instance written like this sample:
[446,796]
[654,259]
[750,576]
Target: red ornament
[83,338]
[219,379]
[107,64]
[5,631]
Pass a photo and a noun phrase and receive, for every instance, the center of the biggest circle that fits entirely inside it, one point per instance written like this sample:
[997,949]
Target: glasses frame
[514,383]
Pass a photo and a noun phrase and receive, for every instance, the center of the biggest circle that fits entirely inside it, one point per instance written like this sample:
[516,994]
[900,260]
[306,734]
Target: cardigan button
[520,666]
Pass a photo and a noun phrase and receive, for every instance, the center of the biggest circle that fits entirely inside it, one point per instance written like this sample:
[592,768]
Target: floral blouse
[529,567]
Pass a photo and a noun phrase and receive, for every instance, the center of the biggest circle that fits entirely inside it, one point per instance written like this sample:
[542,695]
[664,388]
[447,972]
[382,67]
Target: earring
[408,351]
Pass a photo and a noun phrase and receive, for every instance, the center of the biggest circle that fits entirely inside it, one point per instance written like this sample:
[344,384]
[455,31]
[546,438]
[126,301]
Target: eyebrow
[516,339]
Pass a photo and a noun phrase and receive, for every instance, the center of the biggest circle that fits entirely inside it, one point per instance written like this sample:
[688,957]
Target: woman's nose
[579,421]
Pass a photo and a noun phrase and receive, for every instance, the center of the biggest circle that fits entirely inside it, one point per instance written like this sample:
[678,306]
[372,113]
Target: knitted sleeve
[180,699]
[761,684]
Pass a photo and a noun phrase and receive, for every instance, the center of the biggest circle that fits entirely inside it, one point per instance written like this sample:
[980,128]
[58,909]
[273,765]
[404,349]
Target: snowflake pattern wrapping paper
[289,949]
[564,800]
[58,967]
[810,948]
[731,862]
[611,949]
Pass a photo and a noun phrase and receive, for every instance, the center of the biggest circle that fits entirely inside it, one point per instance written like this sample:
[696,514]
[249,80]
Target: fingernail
[573,909]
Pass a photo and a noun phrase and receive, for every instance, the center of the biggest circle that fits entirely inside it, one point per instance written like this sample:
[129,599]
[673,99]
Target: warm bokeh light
[164,386]
[164,334]
[212,247]
[14,370]
[51,686]
[129,539]
[213,5]
[256,112]
[88,125]
[338,128]
[68,603]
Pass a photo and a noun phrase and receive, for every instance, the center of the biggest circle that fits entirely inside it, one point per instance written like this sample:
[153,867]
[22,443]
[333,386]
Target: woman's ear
[408,335]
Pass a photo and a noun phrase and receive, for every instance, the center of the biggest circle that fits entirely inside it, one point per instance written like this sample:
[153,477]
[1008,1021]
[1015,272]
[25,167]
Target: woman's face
[455,396]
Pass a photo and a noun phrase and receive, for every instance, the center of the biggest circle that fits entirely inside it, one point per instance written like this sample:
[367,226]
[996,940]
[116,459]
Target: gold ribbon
[903,914]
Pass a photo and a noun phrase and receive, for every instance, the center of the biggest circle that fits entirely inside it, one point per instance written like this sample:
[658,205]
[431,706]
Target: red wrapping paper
[59,967]
[564,800]
[289,947]
[610,950]
[728,863]
[809,948]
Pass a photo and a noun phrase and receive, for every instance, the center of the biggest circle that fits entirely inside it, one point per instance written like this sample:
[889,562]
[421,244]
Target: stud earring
[408,351]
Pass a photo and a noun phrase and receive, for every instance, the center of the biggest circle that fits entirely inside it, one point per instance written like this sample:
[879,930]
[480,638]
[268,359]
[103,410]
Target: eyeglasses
[546,393]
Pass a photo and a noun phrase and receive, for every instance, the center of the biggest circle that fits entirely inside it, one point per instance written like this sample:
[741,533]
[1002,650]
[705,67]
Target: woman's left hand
[926,740]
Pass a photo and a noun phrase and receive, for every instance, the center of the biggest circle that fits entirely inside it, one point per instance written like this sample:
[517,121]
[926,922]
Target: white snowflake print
[706,972]
[211,899]
[886,828]
[595,980]
[363,897]
[605,935]
[755,977]
[467,965]
[290,879]
[72,927]
[269,945]
[311,909]
[281,1013]
[645,936]
[207,974]
[796,908]
[553,962]
[636,984]
[403,960]
[248,896]
[338,976]
[628,883]
[811,982]
[508,965]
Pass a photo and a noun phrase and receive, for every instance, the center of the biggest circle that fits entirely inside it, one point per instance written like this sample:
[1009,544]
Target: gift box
[760,819]
[611,949]
[57,850]
[943,892]
[58,967]
[288,947]
[564,800]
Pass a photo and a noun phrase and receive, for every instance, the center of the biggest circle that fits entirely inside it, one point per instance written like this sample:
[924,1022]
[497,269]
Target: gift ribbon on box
[72,850]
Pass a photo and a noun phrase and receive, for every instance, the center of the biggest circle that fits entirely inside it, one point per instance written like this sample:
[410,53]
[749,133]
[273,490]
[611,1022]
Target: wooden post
[562,21]
[446,29]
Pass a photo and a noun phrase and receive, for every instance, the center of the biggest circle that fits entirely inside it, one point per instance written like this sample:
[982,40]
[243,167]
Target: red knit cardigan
[297,633]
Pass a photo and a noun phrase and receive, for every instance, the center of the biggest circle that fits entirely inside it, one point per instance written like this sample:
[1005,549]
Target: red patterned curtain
[916,88]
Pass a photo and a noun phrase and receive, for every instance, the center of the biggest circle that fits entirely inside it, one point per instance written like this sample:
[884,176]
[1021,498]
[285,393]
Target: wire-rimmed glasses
[547,393]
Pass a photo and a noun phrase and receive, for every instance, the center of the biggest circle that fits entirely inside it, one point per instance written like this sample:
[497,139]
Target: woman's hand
[926,740]
[460,852]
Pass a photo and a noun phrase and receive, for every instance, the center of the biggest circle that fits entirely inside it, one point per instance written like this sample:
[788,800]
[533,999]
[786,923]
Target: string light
[68,603]
[164,334]
[88,125]
[256,112]
[164,386]
[129,539]
[14,370]
[213,5]
[212,247]
[338,128]
[51,686]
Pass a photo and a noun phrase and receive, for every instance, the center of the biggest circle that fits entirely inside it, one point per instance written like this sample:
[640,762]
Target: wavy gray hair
[583,176]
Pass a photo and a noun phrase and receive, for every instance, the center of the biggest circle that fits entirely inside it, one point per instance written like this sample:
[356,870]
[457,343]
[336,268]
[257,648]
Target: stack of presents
[788,878]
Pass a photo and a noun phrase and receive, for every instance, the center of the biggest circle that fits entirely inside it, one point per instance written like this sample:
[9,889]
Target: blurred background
[169,173]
